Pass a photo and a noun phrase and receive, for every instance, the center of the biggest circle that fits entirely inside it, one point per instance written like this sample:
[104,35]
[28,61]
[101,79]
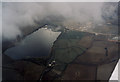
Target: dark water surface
[35,45]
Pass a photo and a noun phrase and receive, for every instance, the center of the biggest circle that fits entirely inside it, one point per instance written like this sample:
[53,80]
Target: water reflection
[35,45]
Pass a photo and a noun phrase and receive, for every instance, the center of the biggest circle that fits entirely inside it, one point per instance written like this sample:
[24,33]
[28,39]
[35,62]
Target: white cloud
[19,15]
[25,14]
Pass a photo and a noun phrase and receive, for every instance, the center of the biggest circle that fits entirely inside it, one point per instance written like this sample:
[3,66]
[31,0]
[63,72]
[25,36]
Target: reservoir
[37,44]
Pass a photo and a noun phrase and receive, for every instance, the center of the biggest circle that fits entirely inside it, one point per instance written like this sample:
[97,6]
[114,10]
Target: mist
[17,18]
[20,16]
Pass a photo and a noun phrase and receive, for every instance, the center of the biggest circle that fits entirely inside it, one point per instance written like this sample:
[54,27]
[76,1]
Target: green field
[66,48]
[70,34]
